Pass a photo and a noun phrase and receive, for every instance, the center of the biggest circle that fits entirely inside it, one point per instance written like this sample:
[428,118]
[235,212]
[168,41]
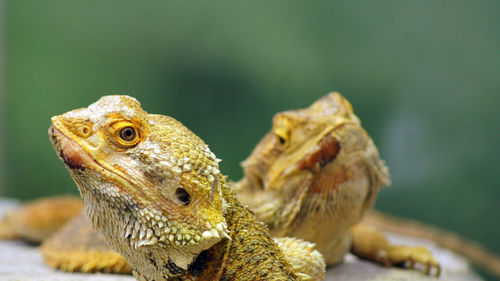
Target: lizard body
[316,164]
[78,247]
[318,167]
[39,220]
[153,189]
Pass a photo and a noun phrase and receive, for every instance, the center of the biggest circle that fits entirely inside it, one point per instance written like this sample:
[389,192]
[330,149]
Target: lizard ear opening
[183,196]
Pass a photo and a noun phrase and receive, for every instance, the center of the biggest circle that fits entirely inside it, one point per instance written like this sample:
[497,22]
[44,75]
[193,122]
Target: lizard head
[310,157]
[151,186]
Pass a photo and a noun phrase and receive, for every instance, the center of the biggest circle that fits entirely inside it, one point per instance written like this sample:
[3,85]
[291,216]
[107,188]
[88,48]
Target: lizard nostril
[183,196]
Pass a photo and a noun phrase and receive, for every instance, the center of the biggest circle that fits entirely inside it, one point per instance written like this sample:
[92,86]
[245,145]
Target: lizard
[154,191]
[319,165]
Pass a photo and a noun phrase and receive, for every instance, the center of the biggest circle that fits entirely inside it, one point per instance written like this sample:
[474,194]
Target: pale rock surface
[19,261]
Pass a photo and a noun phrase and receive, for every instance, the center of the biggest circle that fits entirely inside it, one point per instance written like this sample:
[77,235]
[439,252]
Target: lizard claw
[411,255]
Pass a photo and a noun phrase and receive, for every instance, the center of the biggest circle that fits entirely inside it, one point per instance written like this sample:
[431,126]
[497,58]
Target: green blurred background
[424,77]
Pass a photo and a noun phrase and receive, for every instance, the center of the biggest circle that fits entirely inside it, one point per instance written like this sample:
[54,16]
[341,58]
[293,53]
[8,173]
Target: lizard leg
[77,247]
[39,219]
[369,243]
[307,262]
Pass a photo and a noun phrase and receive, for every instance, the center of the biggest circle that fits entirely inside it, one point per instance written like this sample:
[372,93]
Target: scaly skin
[153,189]
[318,166]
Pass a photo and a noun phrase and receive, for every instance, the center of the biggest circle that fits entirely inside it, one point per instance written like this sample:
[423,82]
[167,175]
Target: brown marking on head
[329,147]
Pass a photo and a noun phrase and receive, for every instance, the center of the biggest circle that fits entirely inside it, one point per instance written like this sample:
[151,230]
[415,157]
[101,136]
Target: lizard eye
[282,129]
[281,139]
[124,134]
[128,134]
[183,196]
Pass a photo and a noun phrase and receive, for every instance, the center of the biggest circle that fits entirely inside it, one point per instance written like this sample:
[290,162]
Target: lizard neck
[153,262]
[251,252]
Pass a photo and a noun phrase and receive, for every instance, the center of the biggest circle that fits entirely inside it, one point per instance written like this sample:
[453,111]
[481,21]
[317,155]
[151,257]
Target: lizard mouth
[75,157]
[70,152]
[80,161]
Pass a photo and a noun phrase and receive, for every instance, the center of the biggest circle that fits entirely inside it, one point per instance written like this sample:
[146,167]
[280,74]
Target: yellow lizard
[153,189]
[314,176]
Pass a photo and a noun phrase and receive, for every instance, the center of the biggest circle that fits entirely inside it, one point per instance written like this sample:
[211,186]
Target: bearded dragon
[314,176]
[153,189]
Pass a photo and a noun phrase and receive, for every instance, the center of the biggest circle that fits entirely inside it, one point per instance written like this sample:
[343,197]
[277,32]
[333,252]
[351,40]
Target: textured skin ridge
[253,255]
